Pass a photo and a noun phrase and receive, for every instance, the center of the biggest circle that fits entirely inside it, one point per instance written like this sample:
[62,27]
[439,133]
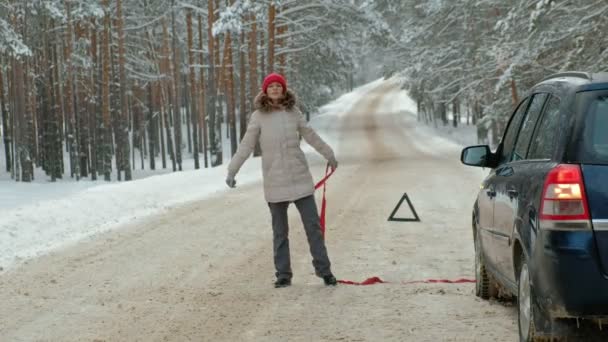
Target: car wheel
[525,312]
[484,285]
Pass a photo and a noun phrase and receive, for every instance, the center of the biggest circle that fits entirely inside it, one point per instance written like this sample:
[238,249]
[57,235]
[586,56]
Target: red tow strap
[368,281]
[376,280]
[446,281]
[373,280]
[328,173]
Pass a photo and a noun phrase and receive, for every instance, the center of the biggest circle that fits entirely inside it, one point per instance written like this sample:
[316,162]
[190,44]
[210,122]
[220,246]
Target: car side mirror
[479,155]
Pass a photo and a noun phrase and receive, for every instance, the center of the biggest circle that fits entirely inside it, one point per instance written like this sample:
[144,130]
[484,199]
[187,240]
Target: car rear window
[594,147]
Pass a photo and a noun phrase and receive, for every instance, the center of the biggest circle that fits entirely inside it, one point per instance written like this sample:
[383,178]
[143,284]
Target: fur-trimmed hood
[263,104]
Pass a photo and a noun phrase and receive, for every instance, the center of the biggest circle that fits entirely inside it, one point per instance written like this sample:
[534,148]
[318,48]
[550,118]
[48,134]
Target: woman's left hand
[230,181]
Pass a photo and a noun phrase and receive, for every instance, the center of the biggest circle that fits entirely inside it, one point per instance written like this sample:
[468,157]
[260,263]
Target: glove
[333,163]
[230,181]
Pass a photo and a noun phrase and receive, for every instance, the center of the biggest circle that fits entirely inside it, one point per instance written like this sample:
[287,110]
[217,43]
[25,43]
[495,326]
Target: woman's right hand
[333,164]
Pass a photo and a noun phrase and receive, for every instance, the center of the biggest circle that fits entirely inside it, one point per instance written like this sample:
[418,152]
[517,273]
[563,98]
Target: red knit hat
[274,78]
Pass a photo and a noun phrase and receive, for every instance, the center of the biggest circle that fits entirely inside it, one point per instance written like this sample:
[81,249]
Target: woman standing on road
[278,125]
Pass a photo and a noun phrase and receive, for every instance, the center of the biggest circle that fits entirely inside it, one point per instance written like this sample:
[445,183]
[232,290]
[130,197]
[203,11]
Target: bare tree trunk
[168,122]
[188,110]
[161,124]
[215,142]
[6,124]
[479,111]
[93,103]
[69,97]
[57,110]
[27,165]
[444,112]
[253,71]
[282,43]
[59,107]
[262,59]
[201,83]
[455,112]
[495,136]
[468,106]
[13,123]
[177,109]
[105,94]
[124,111]
[151,127]
[34,110]
[81,110]
[253,61]
[514,96]
[29,137]
[193,91]
[116,136]
[222,87]
[271,37]
[167,91]
[216,52]
[242,88]
[228,85]
[14,95]
[20,114]
[50,125]
[143,138]
[134,123]
[203,111]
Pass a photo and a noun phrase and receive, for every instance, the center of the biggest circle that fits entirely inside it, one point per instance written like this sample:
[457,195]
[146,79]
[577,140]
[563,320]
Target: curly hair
[264,104]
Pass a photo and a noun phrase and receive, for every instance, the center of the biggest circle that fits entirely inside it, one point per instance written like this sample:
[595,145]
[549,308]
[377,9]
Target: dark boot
[330,280]
[282,282]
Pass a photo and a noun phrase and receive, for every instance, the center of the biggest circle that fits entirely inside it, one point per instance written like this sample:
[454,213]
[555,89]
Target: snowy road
[203,272]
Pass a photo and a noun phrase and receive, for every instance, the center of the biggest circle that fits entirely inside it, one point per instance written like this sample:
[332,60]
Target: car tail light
[564,197]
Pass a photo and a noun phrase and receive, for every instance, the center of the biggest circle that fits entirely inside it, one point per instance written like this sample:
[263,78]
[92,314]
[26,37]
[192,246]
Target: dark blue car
[540,221]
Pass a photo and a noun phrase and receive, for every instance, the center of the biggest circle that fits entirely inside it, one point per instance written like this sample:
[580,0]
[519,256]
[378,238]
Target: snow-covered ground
[41,216]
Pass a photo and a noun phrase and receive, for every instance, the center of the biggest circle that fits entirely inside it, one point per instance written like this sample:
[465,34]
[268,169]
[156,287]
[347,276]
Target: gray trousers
[312,225]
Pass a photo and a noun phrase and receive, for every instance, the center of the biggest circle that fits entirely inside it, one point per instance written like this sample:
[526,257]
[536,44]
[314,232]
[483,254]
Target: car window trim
[542,109]
[527,102]
[540,118]
[538,160]
[525,161]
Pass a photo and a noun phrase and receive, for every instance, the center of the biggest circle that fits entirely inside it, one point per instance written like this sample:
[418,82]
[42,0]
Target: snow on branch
[292,10]
[87,9]
[196,9]
[504,78]
[11,43]
[230,20]
[541,7]
[144,25]
[292,50]
[55,10]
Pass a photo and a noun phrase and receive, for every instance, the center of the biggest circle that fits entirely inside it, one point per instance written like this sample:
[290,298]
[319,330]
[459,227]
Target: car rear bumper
[567,277]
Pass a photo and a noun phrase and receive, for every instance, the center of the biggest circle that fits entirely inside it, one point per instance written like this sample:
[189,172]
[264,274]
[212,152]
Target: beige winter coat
[284,167]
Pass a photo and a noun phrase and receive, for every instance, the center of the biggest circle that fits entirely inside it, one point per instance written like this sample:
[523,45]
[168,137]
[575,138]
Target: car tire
[485,288]
[525,310]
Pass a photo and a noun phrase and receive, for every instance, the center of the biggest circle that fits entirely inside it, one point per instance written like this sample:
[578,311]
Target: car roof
[584,76]
[577,81]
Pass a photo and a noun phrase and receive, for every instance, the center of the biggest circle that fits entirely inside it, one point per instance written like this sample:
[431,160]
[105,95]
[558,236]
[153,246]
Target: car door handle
[512,193]
[491,193]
